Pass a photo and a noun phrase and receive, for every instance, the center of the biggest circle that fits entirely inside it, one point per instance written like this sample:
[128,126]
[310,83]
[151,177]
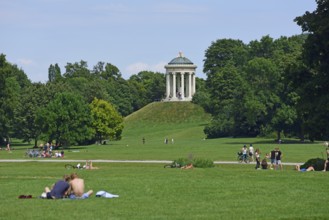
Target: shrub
[197,162]
[202,163]
[183,161]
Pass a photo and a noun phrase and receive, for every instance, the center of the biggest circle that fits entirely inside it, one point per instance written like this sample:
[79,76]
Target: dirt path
[117,161]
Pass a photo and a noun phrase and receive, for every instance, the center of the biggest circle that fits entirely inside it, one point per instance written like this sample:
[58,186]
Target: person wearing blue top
[59,190]
[310,168]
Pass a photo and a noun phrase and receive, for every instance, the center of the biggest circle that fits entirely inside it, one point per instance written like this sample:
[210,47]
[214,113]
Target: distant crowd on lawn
[249,154]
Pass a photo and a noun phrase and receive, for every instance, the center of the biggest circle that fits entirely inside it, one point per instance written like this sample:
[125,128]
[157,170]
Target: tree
[66,119]
[106,121]
[227,90]
[263,48]
[54,73]
[26,114]
[202,95]
[116,87]
[146,87]
[249,88]
[77,70]
[88,88]
[12,80]
[312,79]
[223,52]
[34,98]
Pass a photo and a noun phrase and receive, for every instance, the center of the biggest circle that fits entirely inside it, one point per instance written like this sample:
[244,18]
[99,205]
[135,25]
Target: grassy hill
[167,119]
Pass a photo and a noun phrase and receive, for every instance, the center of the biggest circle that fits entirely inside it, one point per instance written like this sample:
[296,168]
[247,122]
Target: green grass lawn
[149,191]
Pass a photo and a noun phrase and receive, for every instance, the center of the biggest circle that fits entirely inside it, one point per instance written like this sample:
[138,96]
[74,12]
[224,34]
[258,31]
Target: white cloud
[135,68]
[25,62]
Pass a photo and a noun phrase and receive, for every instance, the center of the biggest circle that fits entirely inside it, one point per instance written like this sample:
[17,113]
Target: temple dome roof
[180,60]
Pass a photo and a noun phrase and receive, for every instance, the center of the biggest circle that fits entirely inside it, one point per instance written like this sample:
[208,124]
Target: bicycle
[172,165]
[32,153]
[241,158]
[70,166]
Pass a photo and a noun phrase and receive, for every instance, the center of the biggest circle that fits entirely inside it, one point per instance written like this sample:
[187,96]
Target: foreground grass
[148,191]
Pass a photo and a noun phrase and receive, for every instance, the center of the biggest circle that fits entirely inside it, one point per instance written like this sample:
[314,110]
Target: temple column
[168,85]
[193,84]
[182,85]
[189,85]
[174,85]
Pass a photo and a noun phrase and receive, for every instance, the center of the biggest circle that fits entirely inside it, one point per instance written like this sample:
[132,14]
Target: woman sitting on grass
[264,163]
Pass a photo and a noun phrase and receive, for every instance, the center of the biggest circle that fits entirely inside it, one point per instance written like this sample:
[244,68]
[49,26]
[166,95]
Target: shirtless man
[188,166]
[77,188]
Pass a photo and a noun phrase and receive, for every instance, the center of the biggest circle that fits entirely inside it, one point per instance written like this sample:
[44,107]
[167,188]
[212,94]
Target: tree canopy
[311,76]
[106,121]
[248,87]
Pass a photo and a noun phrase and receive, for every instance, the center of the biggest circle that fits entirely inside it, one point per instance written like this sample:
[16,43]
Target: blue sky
[134,35]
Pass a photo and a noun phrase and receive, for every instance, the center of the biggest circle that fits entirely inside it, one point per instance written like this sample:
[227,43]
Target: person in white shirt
[251,152]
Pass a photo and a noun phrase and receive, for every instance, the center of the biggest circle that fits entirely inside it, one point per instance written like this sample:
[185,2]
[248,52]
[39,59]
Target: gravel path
[117,161]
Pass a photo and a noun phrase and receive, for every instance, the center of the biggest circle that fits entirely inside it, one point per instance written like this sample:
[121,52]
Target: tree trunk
[279,136]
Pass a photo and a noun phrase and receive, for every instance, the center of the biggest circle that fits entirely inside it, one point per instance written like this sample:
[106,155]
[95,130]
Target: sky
[134,35]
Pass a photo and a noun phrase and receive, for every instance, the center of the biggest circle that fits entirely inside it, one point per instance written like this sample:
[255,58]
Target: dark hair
[66,177]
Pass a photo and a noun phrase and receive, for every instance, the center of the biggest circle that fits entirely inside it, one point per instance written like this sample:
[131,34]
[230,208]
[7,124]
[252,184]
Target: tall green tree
[254,95]
[33,98]
[77,69]
[106,121]
[12,81]
[66,119]
[312,79]
[223,52]
[116,87]
[54,73]
[227,90]
[146,87]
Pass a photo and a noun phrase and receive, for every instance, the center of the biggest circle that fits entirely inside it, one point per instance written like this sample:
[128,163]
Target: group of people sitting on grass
[71,186]
[46,151]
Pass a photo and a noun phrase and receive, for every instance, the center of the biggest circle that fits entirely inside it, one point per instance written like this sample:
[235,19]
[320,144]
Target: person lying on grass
[188,166]
[310,168]
[89,166]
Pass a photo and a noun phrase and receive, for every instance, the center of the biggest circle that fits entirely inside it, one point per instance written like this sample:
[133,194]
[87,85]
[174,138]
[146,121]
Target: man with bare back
[77,186]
